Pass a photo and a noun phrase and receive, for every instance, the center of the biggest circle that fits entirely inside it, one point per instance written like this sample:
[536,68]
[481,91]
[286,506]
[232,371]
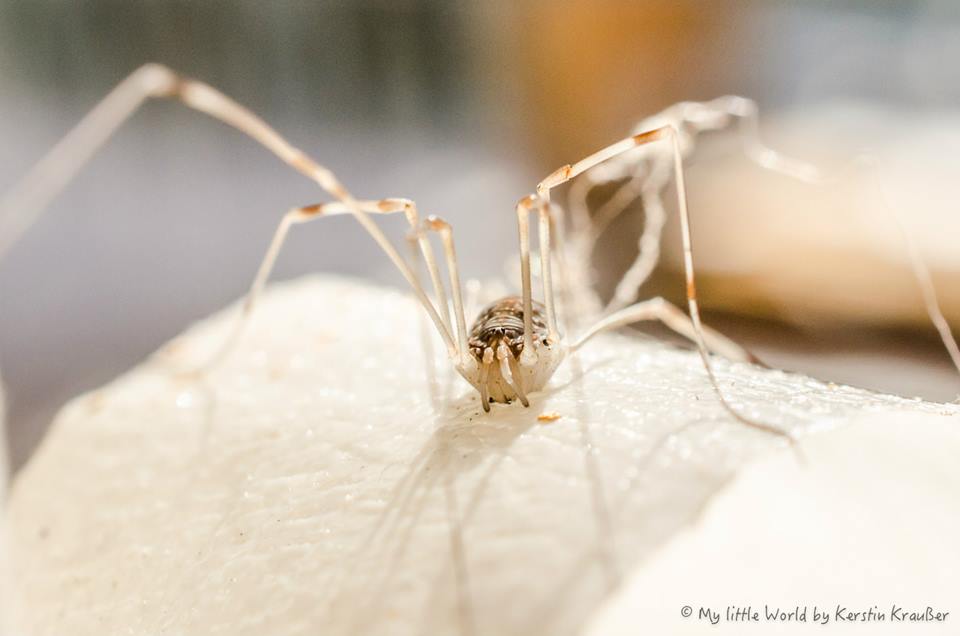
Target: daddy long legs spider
[516,344]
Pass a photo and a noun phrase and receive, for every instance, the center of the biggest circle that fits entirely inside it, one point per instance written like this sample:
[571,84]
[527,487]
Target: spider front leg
[524,207]
[308,213]
[670,135]
[24,203]
[438,225]
[648,174]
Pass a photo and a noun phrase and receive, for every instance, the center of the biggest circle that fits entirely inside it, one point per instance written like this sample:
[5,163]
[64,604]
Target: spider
[515,345]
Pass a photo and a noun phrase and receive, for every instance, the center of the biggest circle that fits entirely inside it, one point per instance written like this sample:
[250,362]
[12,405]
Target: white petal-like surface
[335,477]
[864,533]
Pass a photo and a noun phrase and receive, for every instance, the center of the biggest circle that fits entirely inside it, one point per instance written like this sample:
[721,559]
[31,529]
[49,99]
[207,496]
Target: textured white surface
[321,482]
[870,522]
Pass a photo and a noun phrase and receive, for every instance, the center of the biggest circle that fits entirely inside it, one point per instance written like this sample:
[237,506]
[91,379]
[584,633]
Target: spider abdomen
[502,321]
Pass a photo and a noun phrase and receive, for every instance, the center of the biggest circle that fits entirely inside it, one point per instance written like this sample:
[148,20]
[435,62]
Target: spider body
[516,344]
[496,346]
[502,322]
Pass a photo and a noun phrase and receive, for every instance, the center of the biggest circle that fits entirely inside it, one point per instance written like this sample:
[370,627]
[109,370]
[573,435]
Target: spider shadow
[569,584]
[465,440]
[602,552]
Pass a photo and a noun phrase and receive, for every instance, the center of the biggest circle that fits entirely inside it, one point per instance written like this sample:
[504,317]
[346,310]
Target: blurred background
[464,107]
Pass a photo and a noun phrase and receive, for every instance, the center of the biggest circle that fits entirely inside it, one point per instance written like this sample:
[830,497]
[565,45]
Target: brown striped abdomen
[502,321]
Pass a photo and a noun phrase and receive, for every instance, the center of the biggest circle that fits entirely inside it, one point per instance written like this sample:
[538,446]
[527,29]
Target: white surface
[869,523]
[320,483]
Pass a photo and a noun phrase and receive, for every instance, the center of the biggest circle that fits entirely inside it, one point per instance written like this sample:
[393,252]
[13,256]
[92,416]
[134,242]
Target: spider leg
[691,120]
[668,134]
[648,175]
[294,217]
[445,230]
[921,272]
[524,207]
[671,316]
[547,222]
[24,203]
[723,111]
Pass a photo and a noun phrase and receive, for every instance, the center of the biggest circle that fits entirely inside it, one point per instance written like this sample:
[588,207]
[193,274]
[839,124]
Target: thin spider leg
[546,268]
[718,113]
[691,119]
[670,134]
[870,165]
[929,294]
[573,298]
[524,207]
[671,316]
[413,251]
[648,251]
[445,230]
[576,250]
[410,210]
[26,200]
[747,112]
[711,116]
[527,356]
[291,218]
[21,205]
[921,272]
[697,117]
[542,201]
[650,175]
